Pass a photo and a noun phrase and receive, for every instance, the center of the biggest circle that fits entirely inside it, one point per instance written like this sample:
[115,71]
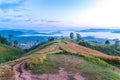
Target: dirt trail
[21,73]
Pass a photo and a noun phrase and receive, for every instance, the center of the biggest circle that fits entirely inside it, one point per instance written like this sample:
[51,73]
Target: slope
[76,62]
[72,47]
[107,49]
[8,53]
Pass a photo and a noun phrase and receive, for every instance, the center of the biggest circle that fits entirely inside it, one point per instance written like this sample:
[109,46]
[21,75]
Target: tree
[71,35]
[78,37]
[3,40]
[16,43]
[10,39]
[37,41]
[107,42]
[116,42]
[51,38]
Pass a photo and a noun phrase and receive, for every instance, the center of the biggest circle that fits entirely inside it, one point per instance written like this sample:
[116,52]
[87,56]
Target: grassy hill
[107,49]
[63,60]
[76,65]
[75,60]
[8,53]
[91,68]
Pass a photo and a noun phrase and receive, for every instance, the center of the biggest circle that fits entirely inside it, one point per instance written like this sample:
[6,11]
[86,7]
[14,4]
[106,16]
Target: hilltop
[62,61]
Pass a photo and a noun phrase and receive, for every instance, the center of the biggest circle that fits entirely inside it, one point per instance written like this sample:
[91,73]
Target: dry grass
[74,48]
[66,61]
[5,72]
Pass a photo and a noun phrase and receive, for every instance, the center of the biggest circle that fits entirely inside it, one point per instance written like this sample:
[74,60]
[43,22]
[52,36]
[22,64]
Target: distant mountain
[13,32]
[23,39]
[97,30]
[30,32]
[94,39]
[117,31]
[18,35]
[5,33]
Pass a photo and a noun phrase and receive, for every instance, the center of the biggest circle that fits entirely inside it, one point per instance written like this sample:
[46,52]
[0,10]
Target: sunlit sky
[59,14]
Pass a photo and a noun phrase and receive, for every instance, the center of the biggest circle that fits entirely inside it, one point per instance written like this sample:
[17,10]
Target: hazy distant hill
[16,32]
[97,30]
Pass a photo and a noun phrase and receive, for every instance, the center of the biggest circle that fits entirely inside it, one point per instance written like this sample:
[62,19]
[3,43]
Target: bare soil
[21,73]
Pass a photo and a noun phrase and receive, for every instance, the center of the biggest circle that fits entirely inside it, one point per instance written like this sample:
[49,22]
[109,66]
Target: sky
[59,14]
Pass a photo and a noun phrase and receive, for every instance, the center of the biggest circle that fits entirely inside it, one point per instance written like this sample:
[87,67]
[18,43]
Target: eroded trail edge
[21,73]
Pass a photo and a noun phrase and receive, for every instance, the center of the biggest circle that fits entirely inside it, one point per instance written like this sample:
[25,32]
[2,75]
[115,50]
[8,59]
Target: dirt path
[21,73]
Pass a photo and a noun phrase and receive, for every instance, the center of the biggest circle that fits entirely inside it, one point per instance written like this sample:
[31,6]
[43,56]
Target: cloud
[102,13]
[50,21]
[5,20]
[8,4]
[17,16]
[105,14]
[53,21]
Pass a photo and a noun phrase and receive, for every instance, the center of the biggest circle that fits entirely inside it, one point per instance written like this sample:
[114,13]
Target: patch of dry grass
[74,48]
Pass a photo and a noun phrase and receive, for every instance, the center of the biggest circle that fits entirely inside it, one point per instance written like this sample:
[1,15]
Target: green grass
[47,67]
[96,72]
[91,59]
[90,67]
[8,53]
[6,50]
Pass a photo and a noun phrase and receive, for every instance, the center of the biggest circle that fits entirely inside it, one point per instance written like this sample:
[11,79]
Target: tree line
[78,36]
[107,42]
[10,42]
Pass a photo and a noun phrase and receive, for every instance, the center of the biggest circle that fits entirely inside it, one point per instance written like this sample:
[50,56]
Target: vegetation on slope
[8,53]
[42,46]
[6,68]
[90,67]
[107,49]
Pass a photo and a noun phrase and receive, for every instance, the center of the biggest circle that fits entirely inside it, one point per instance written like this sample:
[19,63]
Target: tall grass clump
[35,61]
